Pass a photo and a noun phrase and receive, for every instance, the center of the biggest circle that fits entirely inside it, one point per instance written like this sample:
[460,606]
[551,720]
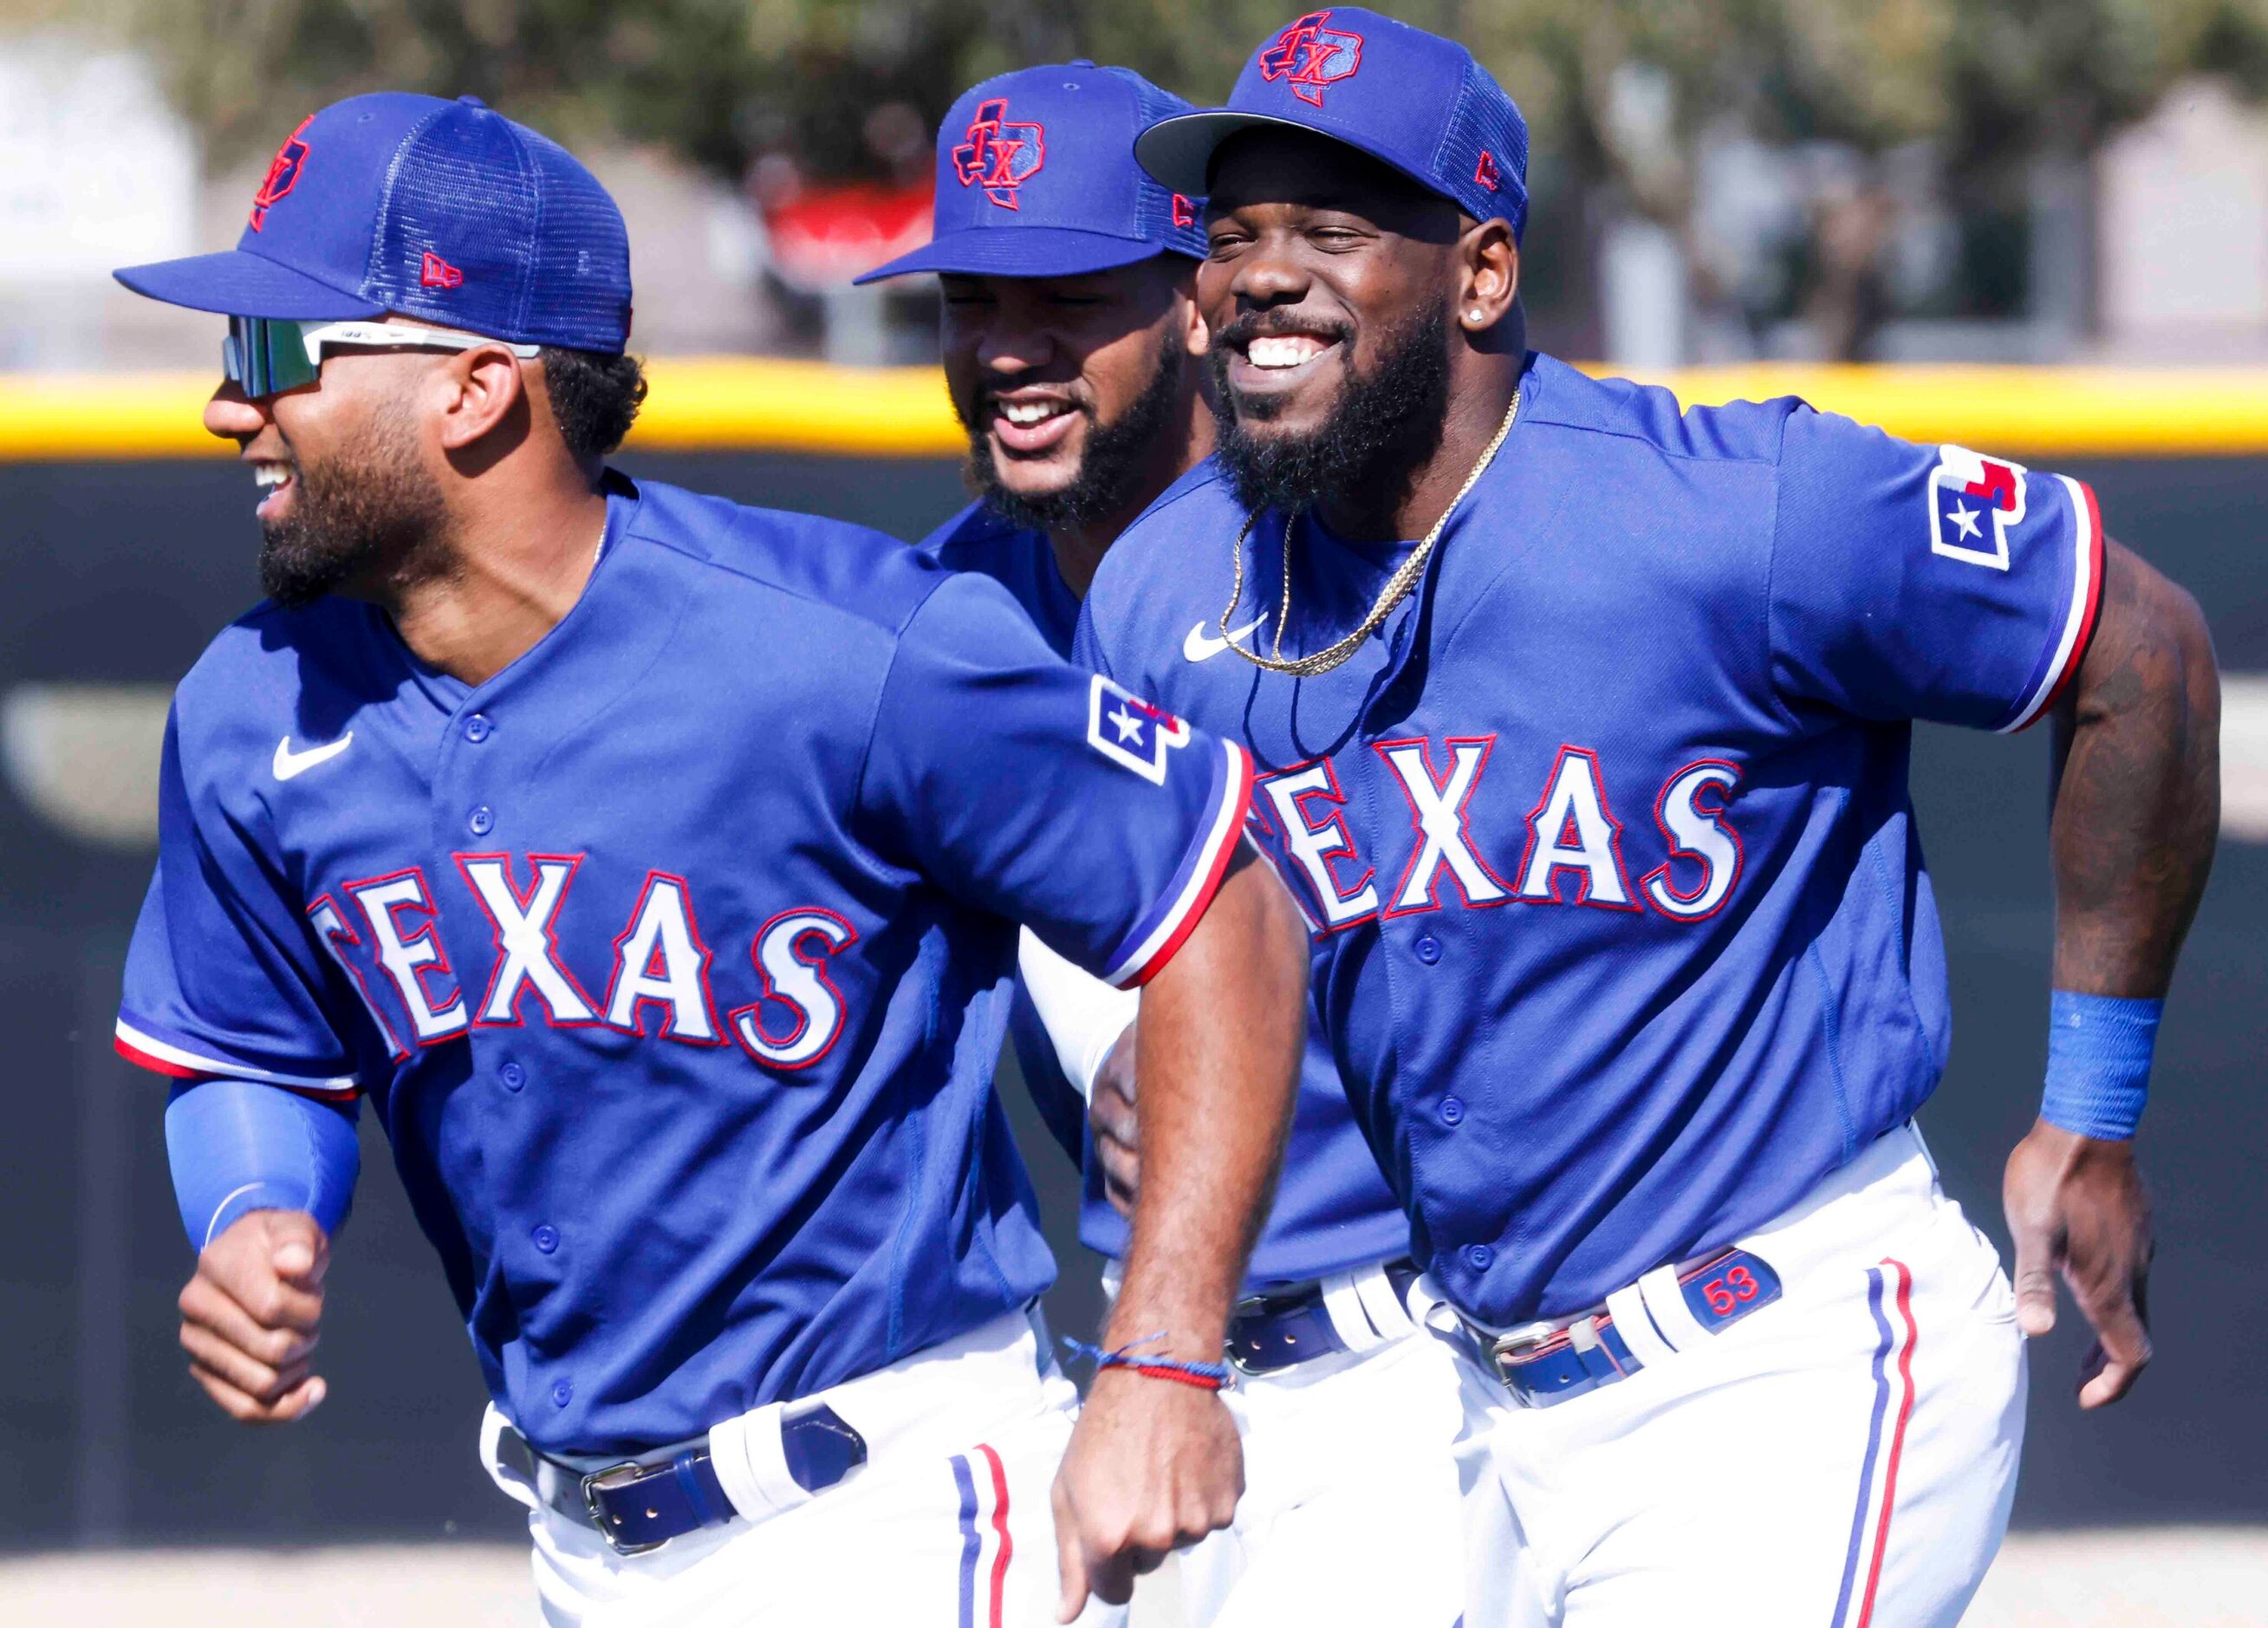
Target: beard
[1111,468]
[1385,424]
[368,512]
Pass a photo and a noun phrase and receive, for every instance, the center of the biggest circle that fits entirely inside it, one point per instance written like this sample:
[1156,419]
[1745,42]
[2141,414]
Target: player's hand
[248,1316]
[2077,1207]
[1152,1466]
[1117,1129]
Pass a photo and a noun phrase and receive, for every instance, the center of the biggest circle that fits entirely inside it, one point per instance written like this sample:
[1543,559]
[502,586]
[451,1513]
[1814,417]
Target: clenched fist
[249,1317]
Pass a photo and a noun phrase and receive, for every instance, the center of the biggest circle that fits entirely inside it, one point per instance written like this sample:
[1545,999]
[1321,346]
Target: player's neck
[1079,549]
[521,560]
[1481,386]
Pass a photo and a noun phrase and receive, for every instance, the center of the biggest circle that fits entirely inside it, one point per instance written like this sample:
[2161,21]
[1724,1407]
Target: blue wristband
[236,1146]
[2099,1049]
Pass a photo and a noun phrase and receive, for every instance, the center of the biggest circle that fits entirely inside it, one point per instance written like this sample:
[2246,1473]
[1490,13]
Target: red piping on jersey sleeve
[172,1070]
[1201,899]
[2093,521]
[156,1066]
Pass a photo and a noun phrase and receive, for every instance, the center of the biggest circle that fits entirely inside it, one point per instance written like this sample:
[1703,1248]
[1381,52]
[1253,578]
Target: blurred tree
[724,81]
[1618,93]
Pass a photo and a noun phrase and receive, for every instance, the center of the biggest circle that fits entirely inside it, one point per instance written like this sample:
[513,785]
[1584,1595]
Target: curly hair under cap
[595,396]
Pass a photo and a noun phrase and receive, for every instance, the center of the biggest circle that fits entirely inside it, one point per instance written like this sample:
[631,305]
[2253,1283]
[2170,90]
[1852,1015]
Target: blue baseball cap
[1410,99]
[1037,178]
[443,211]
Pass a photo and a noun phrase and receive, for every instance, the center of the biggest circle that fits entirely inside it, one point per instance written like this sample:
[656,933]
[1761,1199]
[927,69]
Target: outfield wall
[116,565]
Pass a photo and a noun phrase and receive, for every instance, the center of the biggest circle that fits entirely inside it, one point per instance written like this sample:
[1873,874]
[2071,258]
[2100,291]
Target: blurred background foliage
[1926,158]
[727,82]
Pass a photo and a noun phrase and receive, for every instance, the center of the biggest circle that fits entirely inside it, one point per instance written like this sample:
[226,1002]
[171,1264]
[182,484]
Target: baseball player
[1066,286]
[653,864]
[1584,723]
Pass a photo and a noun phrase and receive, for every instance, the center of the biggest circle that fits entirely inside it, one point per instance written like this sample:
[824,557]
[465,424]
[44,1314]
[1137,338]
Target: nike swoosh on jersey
[1203,646]
[290,764]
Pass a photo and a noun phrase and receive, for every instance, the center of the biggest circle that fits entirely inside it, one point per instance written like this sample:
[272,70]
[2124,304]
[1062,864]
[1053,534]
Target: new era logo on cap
[1407,97]
[1311,55]
[442,210]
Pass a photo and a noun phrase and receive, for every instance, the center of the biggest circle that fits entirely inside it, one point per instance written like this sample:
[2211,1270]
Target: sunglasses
[263,356]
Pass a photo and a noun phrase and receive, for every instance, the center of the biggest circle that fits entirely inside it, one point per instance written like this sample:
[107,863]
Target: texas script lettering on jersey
[1573,852]
[661,968]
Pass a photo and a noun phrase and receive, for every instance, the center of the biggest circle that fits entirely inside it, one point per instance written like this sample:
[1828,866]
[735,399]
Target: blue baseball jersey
[1626,936]
[1333,1210]
[675,958]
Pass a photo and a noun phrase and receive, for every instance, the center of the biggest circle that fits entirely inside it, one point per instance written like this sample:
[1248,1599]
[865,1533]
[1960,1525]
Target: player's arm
[224,999]
[2137,787]
[1054,798]
[263,1177]
[1219,1044]
[1931,582]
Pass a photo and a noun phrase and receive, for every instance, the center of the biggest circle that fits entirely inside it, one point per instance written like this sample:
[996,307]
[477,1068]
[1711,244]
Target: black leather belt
[637,1506]
[1273,1332]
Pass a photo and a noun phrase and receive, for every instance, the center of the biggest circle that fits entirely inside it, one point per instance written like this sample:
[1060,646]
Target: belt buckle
[615,1478]
[1504,1349]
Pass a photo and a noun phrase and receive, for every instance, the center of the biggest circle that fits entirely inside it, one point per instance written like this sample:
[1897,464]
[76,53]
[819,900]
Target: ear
[1197,338]
[1488,276]
[482,389]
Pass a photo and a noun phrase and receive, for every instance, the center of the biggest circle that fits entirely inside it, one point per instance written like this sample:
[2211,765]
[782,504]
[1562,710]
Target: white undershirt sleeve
[1083,1015]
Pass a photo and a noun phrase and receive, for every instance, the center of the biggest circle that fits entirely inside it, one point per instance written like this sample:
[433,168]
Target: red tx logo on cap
[998,156]
[283,174]
[1309,56]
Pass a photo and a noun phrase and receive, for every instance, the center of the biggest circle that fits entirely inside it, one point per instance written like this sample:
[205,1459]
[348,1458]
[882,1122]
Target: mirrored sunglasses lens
[245,356]
[266,355]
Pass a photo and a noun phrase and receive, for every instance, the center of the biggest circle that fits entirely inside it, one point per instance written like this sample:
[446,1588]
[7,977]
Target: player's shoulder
[1197,499]
[275,674]
[1611,409]
[980,541]
[975,535]
[754,560]
[1785,432]
[268,663]
[1153,564]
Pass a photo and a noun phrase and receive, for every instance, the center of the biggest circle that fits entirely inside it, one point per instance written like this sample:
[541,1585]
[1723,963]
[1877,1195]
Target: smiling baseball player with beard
[1582,724]
[1066,277]
[653,866]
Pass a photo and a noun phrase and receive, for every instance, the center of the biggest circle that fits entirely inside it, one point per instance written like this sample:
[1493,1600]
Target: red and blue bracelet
[1204,1375]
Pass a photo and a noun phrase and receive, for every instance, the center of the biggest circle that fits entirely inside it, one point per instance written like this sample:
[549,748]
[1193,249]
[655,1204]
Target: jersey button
[482,820]
[547,1237]
[478,728]
[562,1392]
[1479,1256]
[512,1075]
[1428,949]
[1453,1112]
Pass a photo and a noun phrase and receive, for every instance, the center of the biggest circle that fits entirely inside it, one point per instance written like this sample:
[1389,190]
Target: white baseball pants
[947,1525]
[1842,1458]
[1350,1513]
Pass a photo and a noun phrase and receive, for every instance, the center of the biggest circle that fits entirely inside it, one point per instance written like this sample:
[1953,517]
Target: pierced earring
[1478,315]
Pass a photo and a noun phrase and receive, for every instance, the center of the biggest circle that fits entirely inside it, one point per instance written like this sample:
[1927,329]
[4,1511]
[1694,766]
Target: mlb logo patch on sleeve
[1130,731]
[1973,502]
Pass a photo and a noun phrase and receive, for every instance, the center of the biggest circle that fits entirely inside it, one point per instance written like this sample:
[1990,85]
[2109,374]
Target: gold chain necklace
[1397,586]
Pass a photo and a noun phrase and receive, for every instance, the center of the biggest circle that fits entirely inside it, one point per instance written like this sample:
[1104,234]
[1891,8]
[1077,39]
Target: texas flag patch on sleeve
[1974,503]
[1132,731]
